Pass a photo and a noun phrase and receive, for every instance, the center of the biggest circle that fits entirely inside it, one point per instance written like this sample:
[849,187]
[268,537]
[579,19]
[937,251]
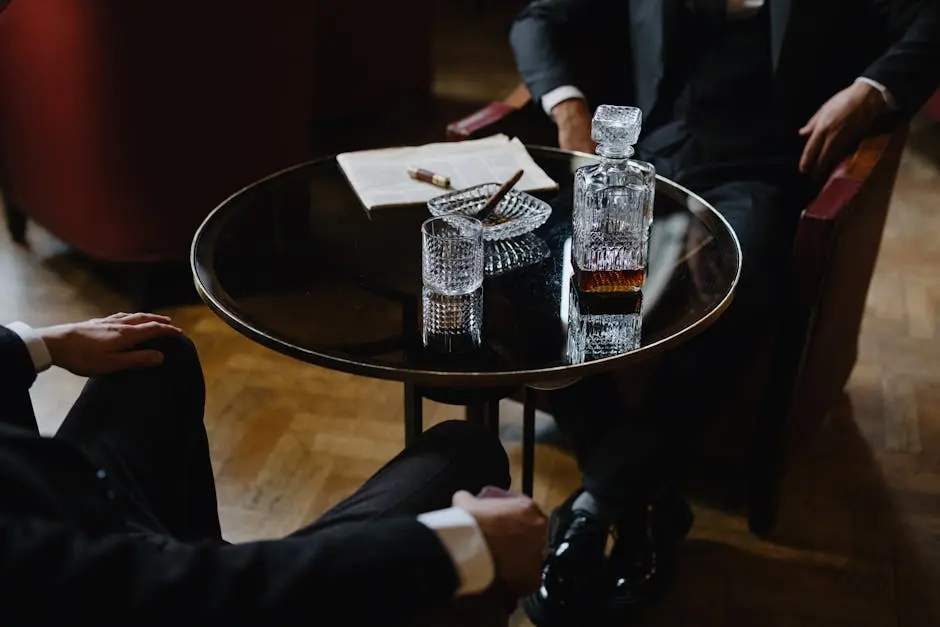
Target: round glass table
[296,263]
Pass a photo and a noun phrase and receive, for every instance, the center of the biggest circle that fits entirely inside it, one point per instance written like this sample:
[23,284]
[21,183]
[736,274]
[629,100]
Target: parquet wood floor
[859,539]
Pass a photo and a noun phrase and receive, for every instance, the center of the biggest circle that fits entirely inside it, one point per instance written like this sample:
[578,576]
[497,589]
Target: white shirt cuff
[559,95]
[889,99]
[740,9]
[34,344]
[460,535]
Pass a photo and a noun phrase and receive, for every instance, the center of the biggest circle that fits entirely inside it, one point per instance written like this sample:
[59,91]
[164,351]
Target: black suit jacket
[67,552]
[818,48]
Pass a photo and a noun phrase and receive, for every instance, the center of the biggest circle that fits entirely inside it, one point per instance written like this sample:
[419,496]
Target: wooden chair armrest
[489,116]
[861,185]
[835,199]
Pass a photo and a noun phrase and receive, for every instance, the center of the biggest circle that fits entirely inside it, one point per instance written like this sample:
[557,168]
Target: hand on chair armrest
[852,174]
[849,211]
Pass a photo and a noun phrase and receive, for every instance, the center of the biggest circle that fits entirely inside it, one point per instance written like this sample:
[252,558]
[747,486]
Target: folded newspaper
[380,177]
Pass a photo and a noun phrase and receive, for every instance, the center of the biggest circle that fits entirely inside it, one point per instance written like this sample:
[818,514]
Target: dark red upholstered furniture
[123,123]
[932,108]
[812,348]
[837,244]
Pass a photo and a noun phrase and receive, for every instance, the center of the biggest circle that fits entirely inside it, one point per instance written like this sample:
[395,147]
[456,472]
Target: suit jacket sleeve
[16,366]
[910,68]
[17,373]
[359,573]
[541,40]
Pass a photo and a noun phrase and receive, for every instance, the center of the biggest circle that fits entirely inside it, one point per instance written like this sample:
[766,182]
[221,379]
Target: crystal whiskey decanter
[613,207]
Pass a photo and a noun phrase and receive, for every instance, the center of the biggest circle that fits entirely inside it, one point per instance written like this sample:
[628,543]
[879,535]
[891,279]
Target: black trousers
[145,429]
[626,456]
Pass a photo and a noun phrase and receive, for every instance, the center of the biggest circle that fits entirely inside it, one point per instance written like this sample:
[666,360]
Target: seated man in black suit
[749,103]
[114,521]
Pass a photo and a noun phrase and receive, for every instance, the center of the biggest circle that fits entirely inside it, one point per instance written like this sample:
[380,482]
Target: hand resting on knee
[106,345]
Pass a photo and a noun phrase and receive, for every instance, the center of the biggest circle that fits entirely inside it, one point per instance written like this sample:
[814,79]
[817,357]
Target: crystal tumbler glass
[452,254]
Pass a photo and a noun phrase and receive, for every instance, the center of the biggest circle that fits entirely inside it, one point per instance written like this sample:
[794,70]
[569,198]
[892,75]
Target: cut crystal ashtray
[516,214]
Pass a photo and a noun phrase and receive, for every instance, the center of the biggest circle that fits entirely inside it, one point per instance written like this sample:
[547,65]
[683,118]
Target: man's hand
[515,531]
[102,345]
[838,126]
[574,125]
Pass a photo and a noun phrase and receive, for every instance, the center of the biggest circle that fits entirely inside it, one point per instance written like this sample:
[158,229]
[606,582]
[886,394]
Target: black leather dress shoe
[572,585]
[643,561]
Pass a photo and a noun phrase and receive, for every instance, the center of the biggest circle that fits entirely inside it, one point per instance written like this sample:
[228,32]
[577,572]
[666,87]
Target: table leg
[528,441]
[476,413]
[492,416]
[414,423]
[485,414]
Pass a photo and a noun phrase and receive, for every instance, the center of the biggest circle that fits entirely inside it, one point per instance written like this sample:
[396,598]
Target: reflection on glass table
[504,256]
[452,324]
[667,254]
[602,324]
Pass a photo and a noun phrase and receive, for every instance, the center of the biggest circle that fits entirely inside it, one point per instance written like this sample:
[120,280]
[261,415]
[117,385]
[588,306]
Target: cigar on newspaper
[420,174]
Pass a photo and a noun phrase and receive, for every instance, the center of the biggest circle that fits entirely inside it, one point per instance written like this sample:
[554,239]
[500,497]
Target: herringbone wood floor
[859,540]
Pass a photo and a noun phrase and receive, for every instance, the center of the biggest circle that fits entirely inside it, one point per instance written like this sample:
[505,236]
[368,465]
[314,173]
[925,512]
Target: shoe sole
[543,615]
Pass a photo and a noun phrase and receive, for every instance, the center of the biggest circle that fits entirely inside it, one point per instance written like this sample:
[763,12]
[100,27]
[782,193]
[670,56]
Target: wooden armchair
[813,347]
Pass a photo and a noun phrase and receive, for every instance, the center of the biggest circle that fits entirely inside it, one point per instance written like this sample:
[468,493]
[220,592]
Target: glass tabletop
[296,263]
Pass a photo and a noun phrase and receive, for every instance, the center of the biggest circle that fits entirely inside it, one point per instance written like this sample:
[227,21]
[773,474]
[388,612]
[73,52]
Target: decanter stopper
[616,127]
